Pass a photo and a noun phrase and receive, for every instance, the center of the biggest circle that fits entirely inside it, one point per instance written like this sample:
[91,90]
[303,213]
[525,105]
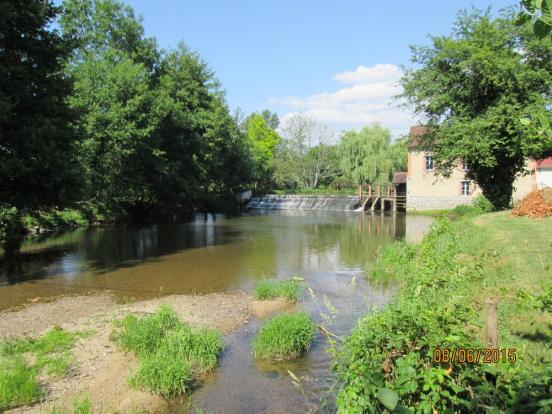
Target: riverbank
[99,370]
[445,282]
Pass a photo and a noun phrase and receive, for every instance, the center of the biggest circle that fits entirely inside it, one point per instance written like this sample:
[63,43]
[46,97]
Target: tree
[369,156]
[263,141]
[38,166]
[539,13]
[305,152]
[271,119]
[475,87]
[119,114]
[98,25]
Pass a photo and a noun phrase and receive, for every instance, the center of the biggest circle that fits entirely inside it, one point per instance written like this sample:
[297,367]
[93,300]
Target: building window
[465,187]
[464,165]
[429,163]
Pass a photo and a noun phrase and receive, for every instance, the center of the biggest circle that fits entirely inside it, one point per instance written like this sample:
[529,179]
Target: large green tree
[37,163]
[204,151]
[479,88]
[369,156]
[263,141]
[119,114]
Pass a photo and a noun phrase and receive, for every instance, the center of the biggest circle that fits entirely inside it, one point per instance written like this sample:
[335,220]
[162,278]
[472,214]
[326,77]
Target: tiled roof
[415,133]
[399,177]
[545,163]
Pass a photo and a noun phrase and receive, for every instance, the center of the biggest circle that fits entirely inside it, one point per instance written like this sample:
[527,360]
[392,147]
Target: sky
[337,61]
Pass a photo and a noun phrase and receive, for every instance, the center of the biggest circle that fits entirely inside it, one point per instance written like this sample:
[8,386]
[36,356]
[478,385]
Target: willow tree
[369,156]
[479,89]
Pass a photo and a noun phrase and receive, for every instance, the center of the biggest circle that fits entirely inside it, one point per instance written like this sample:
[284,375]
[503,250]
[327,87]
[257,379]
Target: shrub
[482,204]
[285,336]
[271,289]
[172,355]
[464,210]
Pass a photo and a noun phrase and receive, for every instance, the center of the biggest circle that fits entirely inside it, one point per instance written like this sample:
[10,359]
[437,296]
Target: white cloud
[367,98]
[382,72]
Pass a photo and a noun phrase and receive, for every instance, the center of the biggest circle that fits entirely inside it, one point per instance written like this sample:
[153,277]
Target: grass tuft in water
[285,336]
[272,289]
[172,355]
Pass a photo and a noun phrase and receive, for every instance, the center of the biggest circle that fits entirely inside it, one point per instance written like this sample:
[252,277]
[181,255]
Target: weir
[304,202]
[382,198]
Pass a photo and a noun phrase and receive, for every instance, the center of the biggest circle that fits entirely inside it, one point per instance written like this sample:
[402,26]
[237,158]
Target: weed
[285,336]
[271,289]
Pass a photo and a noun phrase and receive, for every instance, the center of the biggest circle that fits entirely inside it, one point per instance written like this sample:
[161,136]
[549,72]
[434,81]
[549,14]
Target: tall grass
[285,336]
[272,289]
[172,355]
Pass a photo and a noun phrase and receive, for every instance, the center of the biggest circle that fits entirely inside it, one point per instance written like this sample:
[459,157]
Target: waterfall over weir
[304,202]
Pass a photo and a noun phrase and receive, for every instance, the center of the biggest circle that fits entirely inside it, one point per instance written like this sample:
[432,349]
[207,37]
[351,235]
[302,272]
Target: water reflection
[210,253]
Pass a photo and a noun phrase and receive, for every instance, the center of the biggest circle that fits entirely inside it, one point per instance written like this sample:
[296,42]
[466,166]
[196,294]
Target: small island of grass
[267,289]
[286,336]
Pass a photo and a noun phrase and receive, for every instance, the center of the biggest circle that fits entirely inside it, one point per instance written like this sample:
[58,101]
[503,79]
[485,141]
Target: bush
[272,289]
[482,204]
[172,355]
[285,336]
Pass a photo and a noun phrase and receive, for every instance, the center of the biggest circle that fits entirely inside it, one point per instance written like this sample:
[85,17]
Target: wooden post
[394,199]
[369,190]
[360,193]
[491,323]
[388,192]
[379,190]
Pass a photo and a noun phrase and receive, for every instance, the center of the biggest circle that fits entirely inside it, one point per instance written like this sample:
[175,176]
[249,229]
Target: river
[217,253]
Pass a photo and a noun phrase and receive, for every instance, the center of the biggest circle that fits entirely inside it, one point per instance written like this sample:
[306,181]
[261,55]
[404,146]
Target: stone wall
[435,202]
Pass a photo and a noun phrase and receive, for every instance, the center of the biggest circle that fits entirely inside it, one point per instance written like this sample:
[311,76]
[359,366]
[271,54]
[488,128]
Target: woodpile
[537,204]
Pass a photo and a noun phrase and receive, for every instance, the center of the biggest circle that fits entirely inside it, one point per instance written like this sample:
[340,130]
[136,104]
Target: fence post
[491,323]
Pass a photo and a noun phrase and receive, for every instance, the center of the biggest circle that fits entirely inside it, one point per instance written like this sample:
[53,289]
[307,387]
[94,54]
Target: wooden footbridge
[379,197]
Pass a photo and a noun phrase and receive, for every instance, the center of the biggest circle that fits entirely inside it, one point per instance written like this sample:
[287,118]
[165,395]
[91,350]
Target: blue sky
[337,61]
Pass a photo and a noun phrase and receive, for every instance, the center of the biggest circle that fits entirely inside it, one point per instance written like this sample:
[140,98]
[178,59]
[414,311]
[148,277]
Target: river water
[217,253]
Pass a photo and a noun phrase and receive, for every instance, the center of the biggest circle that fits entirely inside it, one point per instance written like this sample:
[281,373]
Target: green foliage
[18,384]
[272,289]
[9,221]
[285,336]
[263,141]
[37,163]
[172,355]
[439,279]
[479,94]
[18,379]
[539,13]
[482,204]
[368,156]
